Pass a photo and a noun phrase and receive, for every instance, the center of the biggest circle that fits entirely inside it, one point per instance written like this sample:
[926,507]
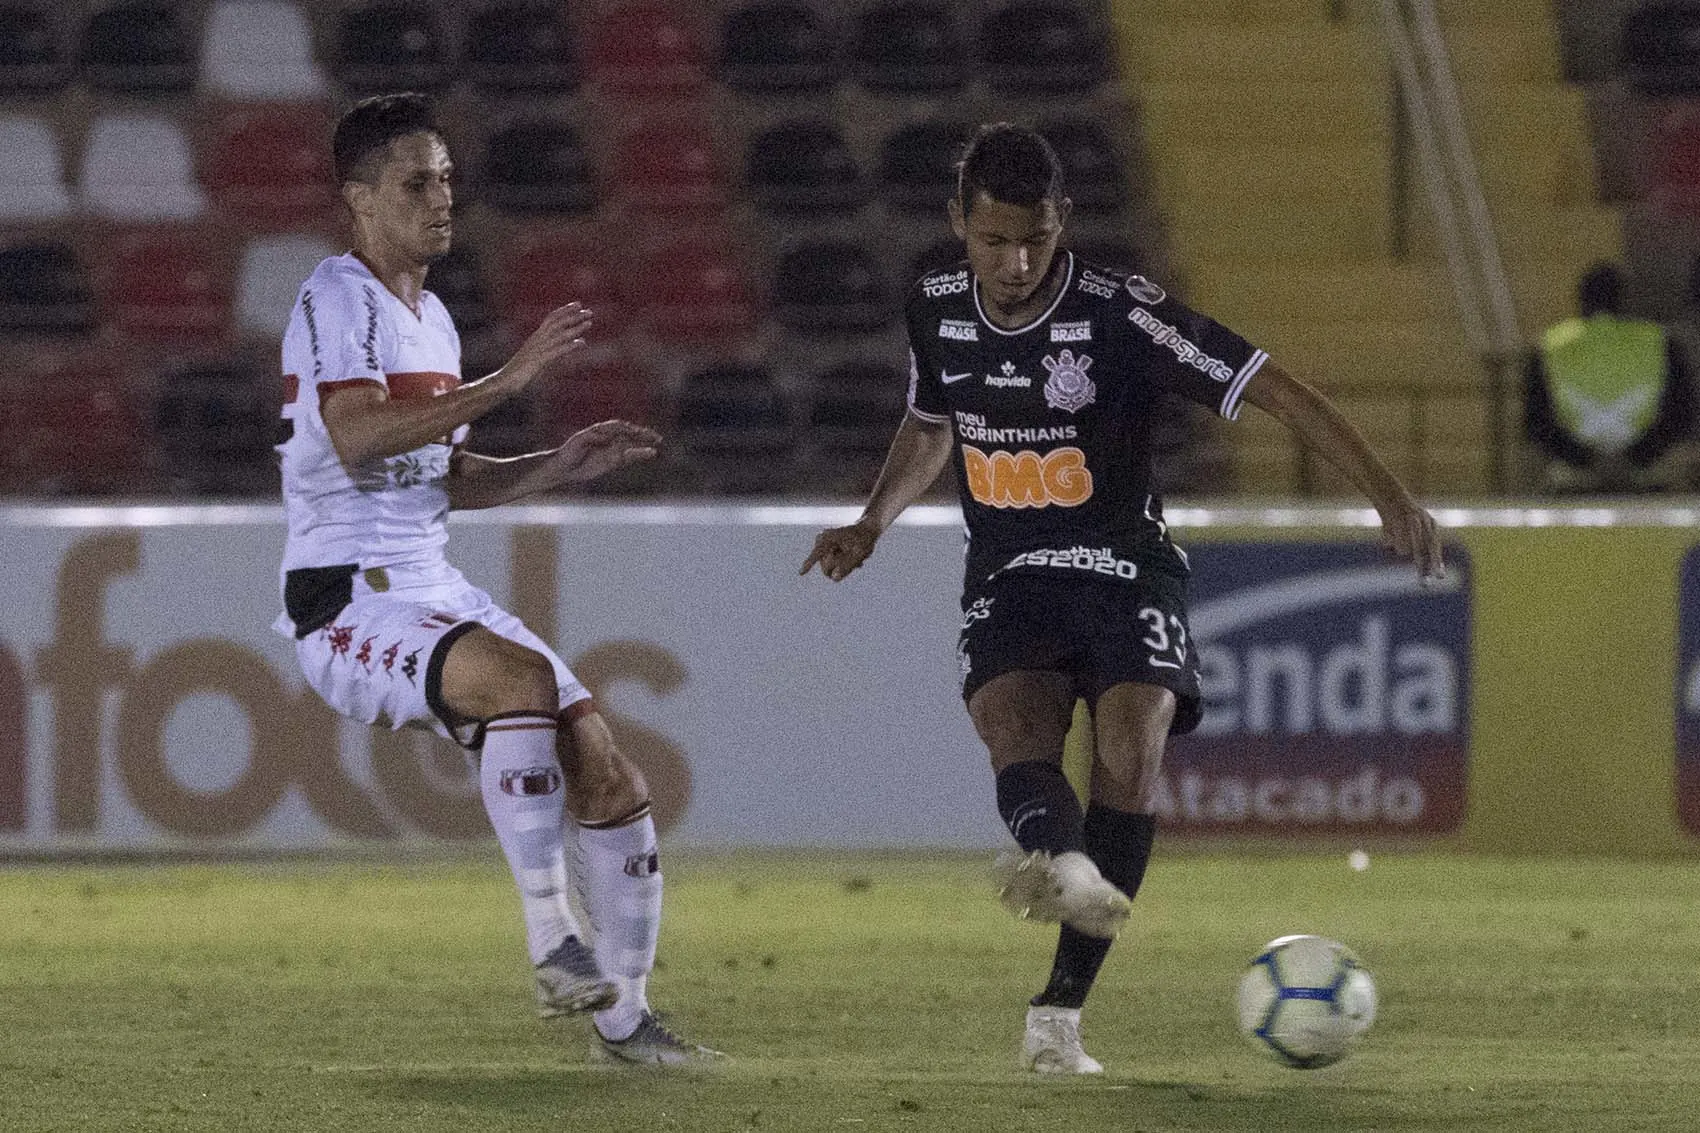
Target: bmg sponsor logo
[1336,694]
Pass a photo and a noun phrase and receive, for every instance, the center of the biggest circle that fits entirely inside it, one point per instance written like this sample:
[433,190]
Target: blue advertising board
[1336,694]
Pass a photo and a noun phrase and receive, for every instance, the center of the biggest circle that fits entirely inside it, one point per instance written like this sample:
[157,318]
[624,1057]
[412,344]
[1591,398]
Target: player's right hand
[560,333]
[840,550]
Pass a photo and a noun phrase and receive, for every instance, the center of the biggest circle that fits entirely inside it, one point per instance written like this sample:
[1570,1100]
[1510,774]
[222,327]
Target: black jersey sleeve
[1192,355]
[926,388]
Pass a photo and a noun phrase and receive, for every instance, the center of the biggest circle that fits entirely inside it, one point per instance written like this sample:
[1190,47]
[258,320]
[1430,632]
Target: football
[1306,1001]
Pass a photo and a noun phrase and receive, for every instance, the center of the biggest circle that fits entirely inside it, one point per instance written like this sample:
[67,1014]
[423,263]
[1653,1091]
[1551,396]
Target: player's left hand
[604,447]
[1409,531]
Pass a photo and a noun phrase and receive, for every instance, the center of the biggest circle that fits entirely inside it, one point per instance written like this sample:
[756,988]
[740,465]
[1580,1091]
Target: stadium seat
[605,385]
[909,45]
[390,46]
[170,283]
[32,58]
[215,423]
[138,48]
[551,267]
[830,287]
[137,167]
[776,46]
[273,270]
[692,287]
[71,426]
[457,281]
[1042,47]
[855,406]
[736,426]
[269,165]
[523,47]
[644,48]
[538,166]
[1661,49]
[1092,170]
[669,165]
[917,164]
[1117,254]
[44,290]
[32,178]
[940,254]
[1676,160]
[259,51]
[798,167]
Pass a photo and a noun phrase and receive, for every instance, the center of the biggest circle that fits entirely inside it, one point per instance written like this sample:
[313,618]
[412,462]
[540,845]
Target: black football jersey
[1053,421]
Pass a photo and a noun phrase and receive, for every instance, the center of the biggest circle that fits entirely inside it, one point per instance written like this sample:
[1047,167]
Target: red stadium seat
[170,284]
[645,48]
[269,165]
[546,269]
[695,287]
[607,384]
[669,165]
[71,425]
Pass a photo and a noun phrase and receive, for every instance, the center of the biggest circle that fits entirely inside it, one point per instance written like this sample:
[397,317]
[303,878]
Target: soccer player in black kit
[1040,376]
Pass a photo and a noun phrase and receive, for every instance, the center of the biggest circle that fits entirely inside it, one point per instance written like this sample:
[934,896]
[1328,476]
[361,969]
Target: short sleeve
[926,391]
[335,338]
[1194,356]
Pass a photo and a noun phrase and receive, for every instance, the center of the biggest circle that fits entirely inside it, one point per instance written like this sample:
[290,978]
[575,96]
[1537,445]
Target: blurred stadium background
[743,189]
[1392,196]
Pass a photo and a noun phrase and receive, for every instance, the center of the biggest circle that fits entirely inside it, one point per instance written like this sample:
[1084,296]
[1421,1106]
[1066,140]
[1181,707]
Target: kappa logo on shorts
[364,655]
[410,667]
[530,781]
[389,656]
[341,639]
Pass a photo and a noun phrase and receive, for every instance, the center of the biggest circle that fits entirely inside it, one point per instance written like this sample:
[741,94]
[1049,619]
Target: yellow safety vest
[1606,375]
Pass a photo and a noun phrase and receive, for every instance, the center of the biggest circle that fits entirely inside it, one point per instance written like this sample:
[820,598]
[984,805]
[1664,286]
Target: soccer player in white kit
[388,632]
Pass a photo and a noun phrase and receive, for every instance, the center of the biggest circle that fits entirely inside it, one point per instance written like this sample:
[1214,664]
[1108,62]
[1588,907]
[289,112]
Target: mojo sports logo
[1336,694]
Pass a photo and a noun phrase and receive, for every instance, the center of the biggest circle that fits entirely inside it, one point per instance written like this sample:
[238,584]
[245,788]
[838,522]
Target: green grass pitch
[854,992]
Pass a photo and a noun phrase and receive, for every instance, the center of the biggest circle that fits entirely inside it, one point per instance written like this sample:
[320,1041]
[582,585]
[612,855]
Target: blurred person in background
[1608,399]
[388,632]
[1038,376]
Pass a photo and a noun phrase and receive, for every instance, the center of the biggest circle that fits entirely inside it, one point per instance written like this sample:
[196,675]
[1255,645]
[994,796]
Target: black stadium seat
[32,60]
[735,426]
[538,166]
[909,45]
[1092,170]
[1661,48]
[775,46]
[216,422]
[1117,254]
[390,47]
[804,167]
[456,280]
[520,47]
[940,254]
[139,48]
[917,165]
[1040,47]
[44,290]
[831,287]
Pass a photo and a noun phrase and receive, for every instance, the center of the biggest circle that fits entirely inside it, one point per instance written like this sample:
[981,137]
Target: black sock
[1119,844]
[1039,806]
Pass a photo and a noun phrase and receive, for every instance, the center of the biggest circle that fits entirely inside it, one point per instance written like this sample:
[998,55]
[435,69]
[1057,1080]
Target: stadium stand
[830,287]
[215,423]
[272,269]
[803,167]
[138,48]
[259,51]
[138,167]
[910,46]
[538,166]
[646,49]
[32,178]
[776,47]
[1043,47]
[268,165]
[391,46]
[44,290]
[33,60]
[167,284]
[523,48]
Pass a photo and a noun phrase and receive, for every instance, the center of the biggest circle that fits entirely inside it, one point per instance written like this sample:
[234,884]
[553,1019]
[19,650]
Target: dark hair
[370,125]
[1009,163]
[1601,290]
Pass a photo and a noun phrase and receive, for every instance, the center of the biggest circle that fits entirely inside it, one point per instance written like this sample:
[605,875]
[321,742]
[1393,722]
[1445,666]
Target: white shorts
[381,659]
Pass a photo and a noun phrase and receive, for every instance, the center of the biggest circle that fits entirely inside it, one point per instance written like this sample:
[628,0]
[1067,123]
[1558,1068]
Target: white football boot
[653,1044]
[1066,888]
[1052,1043]
[570,983]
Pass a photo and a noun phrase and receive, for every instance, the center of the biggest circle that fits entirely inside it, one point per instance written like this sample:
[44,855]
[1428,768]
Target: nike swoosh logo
[1161,664]
[948,378]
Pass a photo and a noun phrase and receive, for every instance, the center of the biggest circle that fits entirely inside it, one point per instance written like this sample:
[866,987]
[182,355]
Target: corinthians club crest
[1069,388]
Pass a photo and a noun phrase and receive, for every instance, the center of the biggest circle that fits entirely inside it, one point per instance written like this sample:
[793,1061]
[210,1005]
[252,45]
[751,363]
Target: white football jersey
[347,328]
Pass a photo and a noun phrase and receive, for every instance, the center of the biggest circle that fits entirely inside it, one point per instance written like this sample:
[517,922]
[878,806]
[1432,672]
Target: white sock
[620,878]
[520,779]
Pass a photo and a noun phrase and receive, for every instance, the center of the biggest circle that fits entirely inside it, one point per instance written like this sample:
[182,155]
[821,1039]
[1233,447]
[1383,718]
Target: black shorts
[1100,632]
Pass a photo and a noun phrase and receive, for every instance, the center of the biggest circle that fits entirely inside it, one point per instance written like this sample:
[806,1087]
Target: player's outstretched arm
[477,481]
[916,457]
[366,424]
[1407,528]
